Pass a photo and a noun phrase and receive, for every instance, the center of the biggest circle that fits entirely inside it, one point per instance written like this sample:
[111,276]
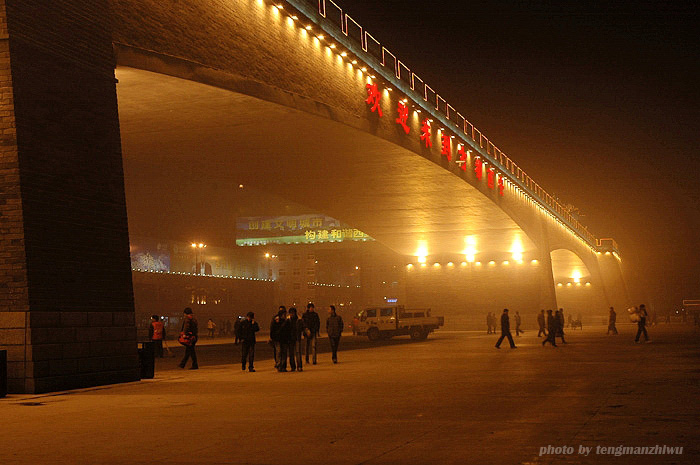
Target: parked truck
[386,322]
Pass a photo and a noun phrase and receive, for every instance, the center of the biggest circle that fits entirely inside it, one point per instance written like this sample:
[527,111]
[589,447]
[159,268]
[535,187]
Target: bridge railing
[348,32]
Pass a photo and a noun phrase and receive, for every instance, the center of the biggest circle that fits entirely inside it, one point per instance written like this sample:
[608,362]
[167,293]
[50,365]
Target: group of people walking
[551,325]
[287,331]
[554,322]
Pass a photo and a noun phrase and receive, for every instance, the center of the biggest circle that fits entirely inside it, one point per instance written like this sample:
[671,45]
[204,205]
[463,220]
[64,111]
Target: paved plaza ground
[452,399]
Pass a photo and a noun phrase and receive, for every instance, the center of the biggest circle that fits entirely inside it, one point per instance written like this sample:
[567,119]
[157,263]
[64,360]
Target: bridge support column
[66,300]
[548,296]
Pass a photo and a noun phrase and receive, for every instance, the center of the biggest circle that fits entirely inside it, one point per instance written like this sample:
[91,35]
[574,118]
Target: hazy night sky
[599,104]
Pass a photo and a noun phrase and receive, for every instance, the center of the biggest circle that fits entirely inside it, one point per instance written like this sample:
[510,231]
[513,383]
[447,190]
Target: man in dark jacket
[505,330]
[559,315]
[313,324]
[334,328]
[642,324]
[291,338]
[191,329]
[612,318]
[285,338]
[236,331]
[541,323]
[298,329]
[552,326]
[275,328]
[246,333]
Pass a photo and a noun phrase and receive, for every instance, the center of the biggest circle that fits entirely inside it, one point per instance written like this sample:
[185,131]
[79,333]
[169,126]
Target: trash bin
[147,360]
[3,373]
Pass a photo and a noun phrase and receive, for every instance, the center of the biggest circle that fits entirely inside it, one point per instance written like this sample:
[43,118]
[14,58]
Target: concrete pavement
[451,399]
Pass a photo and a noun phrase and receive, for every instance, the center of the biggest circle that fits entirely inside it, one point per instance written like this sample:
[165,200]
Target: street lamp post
[269,257]
[199,247]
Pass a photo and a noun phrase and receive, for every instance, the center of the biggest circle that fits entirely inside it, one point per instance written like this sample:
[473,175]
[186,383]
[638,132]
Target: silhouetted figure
[334,328]
[518,322]
[286,336]
[313,326]
[275,334]
[541,323]
[236,329]
[505,330]
[246,333]
[211,327]
[489,323]
[298,328]
[552,324]
[642,324]
[612,318]
[191,331]
[560,324]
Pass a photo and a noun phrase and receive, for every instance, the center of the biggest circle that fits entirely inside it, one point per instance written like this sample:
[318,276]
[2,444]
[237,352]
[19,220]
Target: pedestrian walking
[541,323]
[334,329]
[642,323]
[188,337]
[612,318]
[275,334]
[211,326]
[156,333]
[286,349]
[488,323]
[560,324]
[246,334]
[313,328]
[552,323]
[236,327]
[297,329]
[505,330]
[518,322]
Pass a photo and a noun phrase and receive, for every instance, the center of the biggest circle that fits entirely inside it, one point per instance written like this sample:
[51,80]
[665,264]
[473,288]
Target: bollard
[3,373]
[147,360]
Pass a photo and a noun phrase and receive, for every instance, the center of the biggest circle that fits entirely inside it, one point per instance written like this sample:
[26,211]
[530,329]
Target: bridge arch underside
[188,147]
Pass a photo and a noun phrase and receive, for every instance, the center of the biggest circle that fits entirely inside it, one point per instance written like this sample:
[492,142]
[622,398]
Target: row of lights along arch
[373,99]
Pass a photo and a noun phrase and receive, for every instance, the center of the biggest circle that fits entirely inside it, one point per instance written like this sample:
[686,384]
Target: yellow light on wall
[576,275]
[450,264]
[492,262]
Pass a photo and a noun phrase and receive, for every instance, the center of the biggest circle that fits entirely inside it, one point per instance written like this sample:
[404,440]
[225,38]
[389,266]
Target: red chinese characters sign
[446,146]
[402,112]
[373,97]
[403,117]
[425,133]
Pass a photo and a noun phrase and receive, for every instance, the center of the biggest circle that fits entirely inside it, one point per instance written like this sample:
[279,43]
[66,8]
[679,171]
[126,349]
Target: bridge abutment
[66,302]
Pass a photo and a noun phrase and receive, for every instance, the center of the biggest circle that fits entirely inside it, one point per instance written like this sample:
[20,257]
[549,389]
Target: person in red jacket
[156,333]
